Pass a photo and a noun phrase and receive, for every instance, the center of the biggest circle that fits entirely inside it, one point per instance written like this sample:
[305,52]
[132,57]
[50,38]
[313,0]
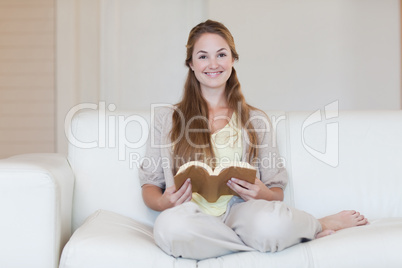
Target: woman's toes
[357,214]
[363,221]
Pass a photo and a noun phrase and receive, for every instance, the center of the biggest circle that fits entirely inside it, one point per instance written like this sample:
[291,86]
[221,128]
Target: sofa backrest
[104,150]
[365,148]
[350,160]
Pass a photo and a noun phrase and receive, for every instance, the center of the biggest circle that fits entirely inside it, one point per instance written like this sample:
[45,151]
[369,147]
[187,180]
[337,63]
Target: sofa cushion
[367,176]
[296,256]
[107,239]
[105,152]
[374,245]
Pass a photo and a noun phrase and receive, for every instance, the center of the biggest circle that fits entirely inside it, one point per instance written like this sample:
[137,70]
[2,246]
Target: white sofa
[350,160]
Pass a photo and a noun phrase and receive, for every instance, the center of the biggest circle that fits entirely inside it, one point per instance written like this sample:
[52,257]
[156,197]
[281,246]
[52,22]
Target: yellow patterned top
[228,148]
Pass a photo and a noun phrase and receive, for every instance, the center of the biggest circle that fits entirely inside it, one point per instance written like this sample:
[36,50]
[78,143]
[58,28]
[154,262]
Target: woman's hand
[258,190]
[171,198]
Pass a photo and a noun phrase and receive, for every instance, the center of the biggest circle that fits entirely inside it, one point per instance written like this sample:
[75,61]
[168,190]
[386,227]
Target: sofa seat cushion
[374,245]
[107,239]
[296,256]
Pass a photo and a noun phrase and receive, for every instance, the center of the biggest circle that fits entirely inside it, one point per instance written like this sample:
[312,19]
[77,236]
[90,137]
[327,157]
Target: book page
[219,169]
[195,163]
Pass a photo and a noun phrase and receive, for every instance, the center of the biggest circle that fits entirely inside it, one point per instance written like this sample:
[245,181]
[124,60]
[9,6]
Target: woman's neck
[215,98]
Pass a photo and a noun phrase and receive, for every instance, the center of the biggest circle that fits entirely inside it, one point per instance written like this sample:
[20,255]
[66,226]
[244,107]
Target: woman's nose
[213,64]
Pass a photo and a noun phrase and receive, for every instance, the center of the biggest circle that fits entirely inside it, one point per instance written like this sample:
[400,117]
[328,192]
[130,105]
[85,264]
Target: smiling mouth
[213,74]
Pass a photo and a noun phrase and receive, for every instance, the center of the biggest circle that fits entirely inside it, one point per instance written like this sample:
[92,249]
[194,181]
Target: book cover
[211,184]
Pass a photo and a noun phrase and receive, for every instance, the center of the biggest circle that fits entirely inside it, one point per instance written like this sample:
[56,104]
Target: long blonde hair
[193,105]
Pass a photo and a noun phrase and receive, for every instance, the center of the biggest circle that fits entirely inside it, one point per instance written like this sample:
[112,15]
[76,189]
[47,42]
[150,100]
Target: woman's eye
[222,55]
[202,57]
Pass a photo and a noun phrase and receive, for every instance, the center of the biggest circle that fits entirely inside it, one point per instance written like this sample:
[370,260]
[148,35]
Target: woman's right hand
[171,198]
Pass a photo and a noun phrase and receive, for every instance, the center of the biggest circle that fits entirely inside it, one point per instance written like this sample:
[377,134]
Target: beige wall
[294,55]
[129,53]
[27,71]
[302,55]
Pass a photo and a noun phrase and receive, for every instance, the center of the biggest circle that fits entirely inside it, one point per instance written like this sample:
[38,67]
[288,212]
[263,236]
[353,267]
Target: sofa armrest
[35,201]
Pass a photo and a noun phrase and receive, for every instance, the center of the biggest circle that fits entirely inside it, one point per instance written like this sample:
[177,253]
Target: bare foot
[341,220]
[324,233]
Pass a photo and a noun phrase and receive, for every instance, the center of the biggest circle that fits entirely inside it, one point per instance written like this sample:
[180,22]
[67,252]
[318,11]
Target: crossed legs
[271,226]
[184,231]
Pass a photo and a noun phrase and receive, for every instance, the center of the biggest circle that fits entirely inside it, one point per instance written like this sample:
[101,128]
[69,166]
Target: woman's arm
[151,173]
[158,200]
[273,178]
[258,190]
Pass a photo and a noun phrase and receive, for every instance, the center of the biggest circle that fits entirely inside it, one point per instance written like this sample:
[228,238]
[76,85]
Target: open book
[211,184]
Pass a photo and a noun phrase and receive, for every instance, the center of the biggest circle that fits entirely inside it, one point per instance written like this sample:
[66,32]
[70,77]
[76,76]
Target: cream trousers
[185,231]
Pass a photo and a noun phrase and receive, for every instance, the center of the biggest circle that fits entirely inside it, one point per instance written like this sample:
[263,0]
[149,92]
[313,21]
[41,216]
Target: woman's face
[212,61]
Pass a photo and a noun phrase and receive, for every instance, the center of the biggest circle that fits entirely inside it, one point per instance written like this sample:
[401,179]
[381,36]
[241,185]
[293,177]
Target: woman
[213,123]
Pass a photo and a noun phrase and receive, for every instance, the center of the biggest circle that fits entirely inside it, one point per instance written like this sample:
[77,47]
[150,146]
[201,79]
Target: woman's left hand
[258,190]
